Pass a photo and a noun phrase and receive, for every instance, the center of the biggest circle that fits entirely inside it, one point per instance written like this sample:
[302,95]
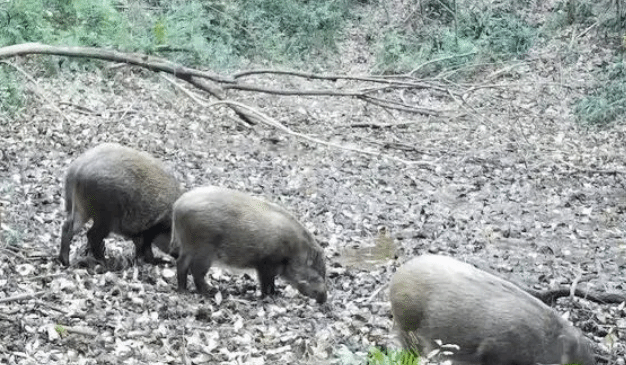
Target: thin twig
[394,81]
[22,297]
[48,276]
[375,293]
[53,307]
[183,353]
[15,253]
[185,91]
[400,106]
[295,92]
[440,59]
[379,125]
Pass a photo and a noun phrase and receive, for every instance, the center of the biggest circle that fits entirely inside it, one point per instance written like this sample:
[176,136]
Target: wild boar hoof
[64,261]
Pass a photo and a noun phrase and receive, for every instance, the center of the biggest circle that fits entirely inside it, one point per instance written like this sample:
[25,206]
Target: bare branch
[19,297]
[322,92]
[276,124]
[376,79]
[217,85]
[149,62]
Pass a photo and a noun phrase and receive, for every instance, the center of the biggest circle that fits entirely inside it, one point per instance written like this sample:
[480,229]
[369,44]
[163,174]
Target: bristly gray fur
[124,191]
[217,224]
[492,321]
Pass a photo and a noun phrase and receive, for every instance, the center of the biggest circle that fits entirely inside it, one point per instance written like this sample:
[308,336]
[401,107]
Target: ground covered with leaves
[507,181]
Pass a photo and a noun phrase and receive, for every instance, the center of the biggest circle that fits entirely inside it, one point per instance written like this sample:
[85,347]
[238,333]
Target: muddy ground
[507,180]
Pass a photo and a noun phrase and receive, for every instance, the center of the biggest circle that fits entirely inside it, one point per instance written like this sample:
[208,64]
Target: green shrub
[444,43]
[499,34]
[568,12]
[216,33]
[607,104]
[442,10]
[23,21]
[277,30]
[399,52]
[95,24]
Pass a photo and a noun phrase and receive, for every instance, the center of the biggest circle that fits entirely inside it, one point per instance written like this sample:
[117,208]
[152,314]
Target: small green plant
[392,357]
[95,23]
[11,237]
[62,331]
[160,31]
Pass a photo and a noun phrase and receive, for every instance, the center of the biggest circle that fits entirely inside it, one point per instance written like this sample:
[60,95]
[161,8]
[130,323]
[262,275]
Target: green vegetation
[62,331]
[219,34]
[454,38]
[449,34]
[10,94]
[391,357]
[573,12]
[432,36]
[607,103]
[215,33]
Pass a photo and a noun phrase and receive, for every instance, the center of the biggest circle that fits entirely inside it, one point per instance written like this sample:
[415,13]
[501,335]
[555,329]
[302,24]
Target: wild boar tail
[174,239]
[70,185]
[74,206]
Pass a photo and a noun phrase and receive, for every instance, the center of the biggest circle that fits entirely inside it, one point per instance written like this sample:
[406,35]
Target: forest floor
[507,180]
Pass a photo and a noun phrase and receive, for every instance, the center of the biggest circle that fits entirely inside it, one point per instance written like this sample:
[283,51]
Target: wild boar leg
[199,267]
[182,268]
[143,246]
[267,272]
[67,233]
[95,236]
[141,252]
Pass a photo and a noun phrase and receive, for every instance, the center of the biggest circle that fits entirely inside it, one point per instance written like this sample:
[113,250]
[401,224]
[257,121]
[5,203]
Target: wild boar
[217,224]
[124,191]
[492,321]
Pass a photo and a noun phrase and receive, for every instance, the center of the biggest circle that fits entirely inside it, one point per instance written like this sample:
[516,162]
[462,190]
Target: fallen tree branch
[194,77]
[550,295]
[22,297]
[359,94]
[276,124]
[217,85]
[149,62]
[383,103]
[241,112]
[374,79]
